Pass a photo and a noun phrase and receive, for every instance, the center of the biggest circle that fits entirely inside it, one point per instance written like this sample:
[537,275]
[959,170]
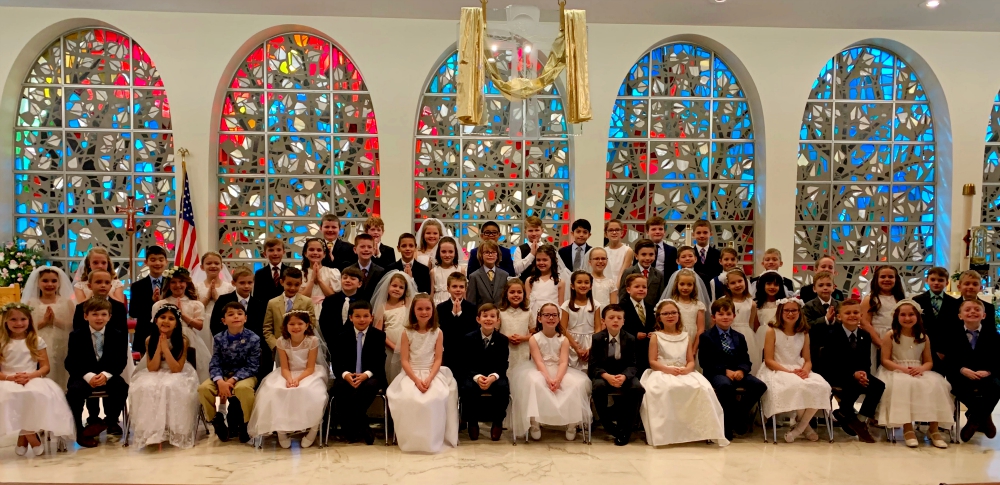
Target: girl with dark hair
[181,293]
[877,307]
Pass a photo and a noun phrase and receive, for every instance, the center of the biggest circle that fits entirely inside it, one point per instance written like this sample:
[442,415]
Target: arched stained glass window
[991,192]
[681,146]
[514,167]
[297,140]
[866,171]
[93,127]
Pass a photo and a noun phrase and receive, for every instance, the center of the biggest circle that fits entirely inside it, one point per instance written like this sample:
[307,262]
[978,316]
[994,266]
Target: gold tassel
[577,73]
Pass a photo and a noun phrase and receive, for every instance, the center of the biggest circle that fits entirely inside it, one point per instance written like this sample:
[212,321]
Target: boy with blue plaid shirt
[232,373]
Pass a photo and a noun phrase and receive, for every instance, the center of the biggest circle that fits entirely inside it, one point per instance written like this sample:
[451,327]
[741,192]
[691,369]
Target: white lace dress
[426,422]
[765,315]
[616,261]
[514,321]
[679,409]
[603,289]
[426,258]
[569,405]
[741,324]
[163,406]
[787,391]
[38,405]
[689,317]
[280,408]
[56,335]
[581,327]
[331,277]
[394,325]
[192,309]
[882,321]
[223,288]
[907,399]
[439,279]
[542,292]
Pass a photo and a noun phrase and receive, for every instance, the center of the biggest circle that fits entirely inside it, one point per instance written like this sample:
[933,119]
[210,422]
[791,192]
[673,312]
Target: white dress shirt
[90,375]
[488,338]
[363,337]
[521,264]
[618,344]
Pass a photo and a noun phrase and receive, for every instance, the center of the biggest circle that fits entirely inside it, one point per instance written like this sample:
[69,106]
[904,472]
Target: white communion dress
[514,321]
[163,405]
[426,422]
[581,327]
[280,408]
[224,288]
[192,309]
[787,391]
[532,398]
[907,398]
[38,405]
[394,325]
[741,323]
[56,335]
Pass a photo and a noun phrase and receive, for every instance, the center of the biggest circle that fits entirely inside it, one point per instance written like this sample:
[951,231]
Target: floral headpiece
[170,308]
[793,299]
[298,312]
[176,270]
[908,302]
[16,304]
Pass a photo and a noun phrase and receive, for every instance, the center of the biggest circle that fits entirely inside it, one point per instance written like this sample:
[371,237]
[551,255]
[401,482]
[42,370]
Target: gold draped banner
[569,53]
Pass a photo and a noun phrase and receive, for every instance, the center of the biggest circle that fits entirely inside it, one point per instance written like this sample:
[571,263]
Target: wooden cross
[131,211]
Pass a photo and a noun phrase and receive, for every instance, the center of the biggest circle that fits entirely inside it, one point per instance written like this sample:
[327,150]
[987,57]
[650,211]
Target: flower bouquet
[17,262]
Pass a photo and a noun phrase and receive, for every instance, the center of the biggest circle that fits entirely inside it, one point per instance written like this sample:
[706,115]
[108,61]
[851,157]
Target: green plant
[17,262]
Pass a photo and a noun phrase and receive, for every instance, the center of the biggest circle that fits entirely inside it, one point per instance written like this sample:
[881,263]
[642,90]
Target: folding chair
[329,418]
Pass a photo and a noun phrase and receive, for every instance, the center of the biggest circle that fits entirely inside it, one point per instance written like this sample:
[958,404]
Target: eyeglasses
[549,315]
[790,310]
[669,314]
[491,233]
[614,230]
[598,258]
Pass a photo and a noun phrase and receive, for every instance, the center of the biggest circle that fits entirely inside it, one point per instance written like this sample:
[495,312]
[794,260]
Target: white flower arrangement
[17,262]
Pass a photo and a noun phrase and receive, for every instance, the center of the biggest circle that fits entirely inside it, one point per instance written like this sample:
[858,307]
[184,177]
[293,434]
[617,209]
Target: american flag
[186,253]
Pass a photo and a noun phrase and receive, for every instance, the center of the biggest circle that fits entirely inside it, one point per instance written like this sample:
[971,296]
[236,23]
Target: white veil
[32,291]
[420,234]
[703,295]
[381,295]
[199,275]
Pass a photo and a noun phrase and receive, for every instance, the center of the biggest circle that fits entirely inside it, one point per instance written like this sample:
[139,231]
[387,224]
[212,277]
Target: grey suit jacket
[482,290]
[655,284]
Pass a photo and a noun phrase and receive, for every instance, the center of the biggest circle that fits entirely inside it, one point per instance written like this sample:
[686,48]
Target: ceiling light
[527,49]
[931,4]
[718,1]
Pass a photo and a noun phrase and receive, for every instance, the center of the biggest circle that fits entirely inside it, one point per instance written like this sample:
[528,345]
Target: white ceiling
[958,15]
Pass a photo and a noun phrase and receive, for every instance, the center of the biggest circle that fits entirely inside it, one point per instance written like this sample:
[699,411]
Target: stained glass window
[866,173]
[991,192]
[93,127]
[513,167]
[297,140]
[681,146]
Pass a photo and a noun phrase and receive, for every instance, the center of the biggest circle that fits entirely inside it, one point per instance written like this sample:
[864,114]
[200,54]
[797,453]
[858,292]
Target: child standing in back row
[581,319]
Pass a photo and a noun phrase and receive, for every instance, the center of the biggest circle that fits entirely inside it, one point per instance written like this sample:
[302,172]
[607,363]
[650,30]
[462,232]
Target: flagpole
[178,200]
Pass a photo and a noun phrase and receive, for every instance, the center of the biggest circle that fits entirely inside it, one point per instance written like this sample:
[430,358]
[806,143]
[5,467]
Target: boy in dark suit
[490,231]
[729,259]
[267,280]
[360,377]
[821,313]
[971,365]
[524,255]
[645,254]
[456,317]
[336,307]
[485,372]
[408,264]
[664,255]
[371,273]
[339,253]
[384,255]
[486,283]
[939,310]
[725,362]
[95,362]
[638,316]
[846,365]
[144,293]
[708,265]
[613,368]
[970,284]
[808,292]
[574,256]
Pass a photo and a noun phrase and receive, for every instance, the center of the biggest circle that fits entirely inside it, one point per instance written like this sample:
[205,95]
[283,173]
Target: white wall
[195,54]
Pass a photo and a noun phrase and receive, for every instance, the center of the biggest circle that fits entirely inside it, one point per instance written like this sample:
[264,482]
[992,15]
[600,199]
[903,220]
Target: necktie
[578,259]
[276,275]
[973,337]
[612,346]
[156,284]
[343,314]
[99,344]
[288,304]
[490,274]
[642,313]
[486,342]
[364,279]
[645,273]
[243,301]
[853,339]
[936,303]
[727,344]
[703,255]
[357,360]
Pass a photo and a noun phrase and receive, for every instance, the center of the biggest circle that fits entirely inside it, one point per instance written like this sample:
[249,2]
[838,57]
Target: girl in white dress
[446,262]
[97,258]
[767,302]
[181,294]
[50,295]
[293,396]
[212,279]
[620,255]
[546,389]
[515,323]
[680,405]
[787,371]
[913,392]
[318,281]
[164,393]
[430,232]
[685,296]
[737,287]
[581,319]
[605,287]
[29,402]
[424,400]
[391,301]
[545,284]
[877,307]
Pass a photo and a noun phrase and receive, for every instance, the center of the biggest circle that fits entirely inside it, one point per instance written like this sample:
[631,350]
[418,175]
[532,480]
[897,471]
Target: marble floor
[748,460]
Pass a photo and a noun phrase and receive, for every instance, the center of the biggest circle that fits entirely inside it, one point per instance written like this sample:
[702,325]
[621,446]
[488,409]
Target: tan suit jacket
[275,317]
